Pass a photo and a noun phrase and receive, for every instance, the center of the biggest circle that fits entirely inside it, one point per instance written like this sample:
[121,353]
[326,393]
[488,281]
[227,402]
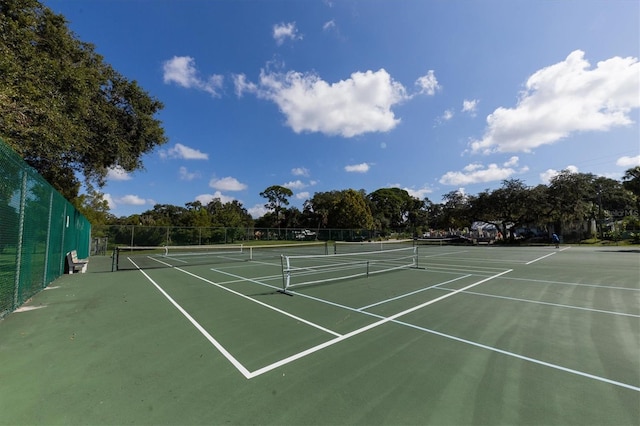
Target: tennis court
[426,335]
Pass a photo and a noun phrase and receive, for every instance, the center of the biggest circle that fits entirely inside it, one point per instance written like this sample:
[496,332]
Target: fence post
[23,198]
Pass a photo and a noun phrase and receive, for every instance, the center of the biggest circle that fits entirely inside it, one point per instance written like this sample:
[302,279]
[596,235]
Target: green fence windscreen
[38,227]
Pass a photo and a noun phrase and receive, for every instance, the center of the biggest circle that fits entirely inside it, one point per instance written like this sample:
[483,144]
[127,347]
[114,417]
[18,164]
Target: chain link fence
[38,227]
[141,235]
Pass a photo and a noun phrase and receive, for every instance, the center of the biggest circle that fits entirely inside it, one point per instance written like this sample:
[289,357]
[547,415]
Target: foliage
[62,108]
[277,196]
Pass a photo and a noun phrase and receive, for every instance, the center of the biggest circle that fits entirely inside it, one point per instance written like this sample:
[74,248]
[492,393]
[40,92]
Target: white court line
[280,311]
[411,293]
[367,327]
[197,325]
[539,302]
[608,287]
[442,254]
[206,334]
[546,255]
[525,358]
[250,375]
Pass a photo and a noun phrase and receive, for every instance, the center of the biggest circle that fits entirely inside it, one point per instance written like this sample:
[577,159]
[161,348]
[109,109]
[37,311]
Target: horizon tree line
[568,198]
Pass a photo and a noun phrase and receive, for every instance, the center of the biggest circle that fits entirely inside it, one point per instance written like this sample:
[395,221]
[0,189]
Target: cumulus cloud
[358,168]
[420,193]
[562,99]
[182,71]
[297,184]
[117,173]
[242,86]
[186,175]
[227,184]
[446,116]
[257,211]
[207,198]
[628,161]
[470,106]
[284,31]
[183,152]
[512,162]
[477,173]
[300,171]
[302,195]
[351,107]
[129,200]
[546,176]
[428,84]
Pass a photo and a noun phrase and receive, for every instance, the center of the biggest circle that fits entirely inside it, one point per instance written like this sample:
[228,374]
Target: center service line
[392,318]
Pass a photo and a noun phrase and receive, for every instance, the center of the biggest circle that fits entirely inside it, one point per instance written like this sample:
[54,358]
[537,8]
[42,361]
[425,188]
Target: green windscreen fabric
[38,227]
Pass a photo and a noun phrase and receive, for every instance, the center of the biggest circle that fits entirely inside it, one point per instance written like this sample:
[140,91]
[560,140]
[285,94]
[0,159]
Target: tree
[352,211]
[456,211]
[94,207]
[631,182]
[507,207]
[62,108]
[277,197]
[391,207]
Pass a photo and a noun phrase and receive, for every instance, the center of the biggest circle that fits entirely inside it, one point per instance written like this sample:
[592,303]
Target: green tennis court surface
[468,335]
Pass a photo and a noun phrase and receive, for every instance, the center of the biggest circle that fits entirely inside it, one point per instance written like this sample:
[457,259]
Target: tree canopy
[62,108]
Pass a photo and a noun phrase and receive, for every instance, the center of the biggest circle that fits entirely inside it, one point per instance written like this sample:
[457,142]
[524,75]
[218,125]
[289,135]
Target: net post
[250,253]
[114,259]
[367,269]
[286,274]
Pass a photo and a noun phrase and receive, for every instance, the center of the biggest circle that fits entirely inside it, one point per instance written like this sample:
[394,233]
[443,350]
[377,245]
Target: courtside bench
[76,265]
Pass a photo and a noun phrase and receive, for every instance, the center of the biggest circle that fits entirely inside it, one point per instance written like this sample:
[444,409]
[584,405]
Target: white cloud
[628,161]
[183,152]
[300,171]
[257,211]
[182,71]
[207,198]
[329,25]
[351,107]
[297,184]
[243,86]
[447,115]
[110,201]
[420,193]
[283,31]
[476,173]
[186,175]
[470,106]
[117,173]
[302,195]
[546,176]
[358,168]
[428,83]
[133,200]
[512,162]
[227,184]
[562,99]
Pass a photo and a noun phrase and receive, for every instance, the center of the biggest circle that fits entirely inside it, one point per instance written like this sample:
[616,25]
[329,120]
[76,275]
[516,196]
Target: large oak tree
[62,107]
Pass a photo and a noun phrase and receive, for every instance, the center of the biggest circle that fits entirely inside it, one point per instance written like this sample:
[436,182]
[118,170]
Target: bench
[75,264]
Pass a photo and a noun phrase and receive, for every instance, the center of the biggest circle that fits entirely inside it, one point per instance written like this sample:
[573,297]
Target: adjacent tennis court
[367,333]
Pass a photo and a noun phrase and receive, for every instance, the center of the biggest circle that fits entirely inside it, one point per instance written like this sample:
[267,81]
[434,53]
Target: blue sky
[429,96]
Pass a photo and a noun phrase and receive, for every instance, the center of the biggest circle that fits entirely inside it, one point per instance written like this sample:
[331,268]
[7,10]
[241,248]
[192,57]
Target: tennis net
[139,257]
[298,271]
[151,257]
[370,246]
